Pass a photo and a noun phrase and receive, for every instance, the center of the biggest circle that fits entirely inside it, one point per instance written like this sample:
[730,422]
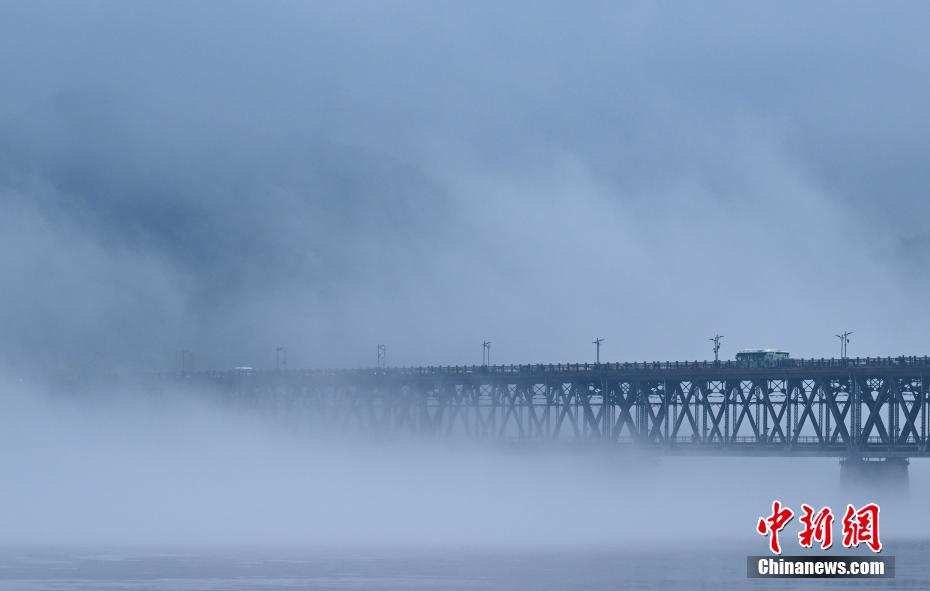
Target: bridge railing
[802,440]
[564,368]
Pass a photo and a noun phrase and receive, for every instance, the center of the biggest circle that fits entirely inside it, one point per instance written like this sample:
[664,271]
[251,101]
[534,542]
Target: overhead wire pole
[716,340]
[486,353]
[280,359]
[597,345]
[844,341]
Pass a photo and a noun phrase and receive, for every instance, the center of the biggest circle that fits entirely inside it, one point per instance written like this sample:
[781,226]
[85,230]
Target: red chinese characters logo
[816,527]
[773,524]
[859,526]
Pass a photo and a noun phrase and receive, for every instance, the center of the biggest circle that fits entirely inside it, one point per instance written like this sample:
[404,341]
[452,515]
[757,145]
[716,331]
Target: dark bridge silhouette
[858,409]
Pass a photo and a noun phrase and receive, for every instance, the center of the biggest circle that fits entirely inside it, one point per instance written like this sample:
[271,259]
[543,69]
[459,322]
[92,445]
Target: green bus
[761,357]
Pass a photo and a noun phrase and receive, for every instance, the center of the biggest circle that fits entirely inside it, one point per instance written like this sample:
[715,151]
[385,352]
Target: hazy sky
[232,177]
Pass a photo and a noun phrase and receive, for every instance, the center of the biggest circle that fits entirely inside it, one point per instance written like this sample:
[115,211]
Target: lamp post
[716,340]
[844,341]
[187,359]
[597,346]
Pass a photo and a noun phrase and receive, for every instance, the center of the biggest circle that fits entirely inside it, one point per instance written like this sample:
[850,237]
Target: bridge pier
[886,474]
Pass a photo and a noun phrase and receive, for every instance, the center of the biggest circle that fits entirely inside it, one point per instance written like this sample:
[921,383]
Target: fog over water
[229,178]
[183,471]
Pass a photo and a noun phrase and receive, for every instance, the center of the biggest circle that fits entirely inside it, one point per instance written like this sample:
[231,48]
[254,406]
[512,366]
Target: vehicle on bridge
[762,357]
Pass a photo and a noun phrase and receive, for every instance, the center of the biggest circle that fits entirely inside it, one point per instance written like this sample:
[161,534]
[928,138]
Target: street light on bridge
[716,339]
[597,344]
[486,353]
[280,359]
[382,356]
[187,360]
[844,341]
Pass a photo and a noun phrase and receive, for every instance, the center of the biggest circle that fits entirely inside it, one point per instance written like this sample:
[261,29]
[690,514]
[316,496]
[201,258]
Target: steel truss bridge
[859,408]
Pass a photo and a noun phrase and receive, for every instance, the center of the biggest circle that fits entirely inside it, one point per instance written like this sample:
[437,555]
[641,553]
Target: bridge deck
[657,369]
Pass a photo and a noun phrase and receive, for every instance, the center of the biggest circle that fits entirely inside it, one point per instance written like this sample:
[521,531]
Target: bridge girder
[840,408]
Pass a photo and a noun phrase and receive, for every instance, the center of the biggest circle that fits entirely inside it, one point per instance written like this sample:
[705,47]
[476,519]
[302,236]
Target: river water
[712,566]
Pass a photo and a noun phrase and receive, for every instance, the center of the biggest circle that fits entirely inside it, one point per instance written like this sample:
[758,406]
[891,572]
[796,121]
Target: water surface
[254,569]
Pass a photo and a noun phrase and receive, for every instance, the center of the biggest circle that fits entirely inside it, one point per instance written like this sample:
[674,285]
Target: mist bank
[128,470]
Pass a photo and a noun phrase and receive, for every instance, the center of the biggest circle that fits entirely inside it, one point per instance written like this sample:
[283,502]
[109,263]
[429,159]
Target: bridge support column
[887,474]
